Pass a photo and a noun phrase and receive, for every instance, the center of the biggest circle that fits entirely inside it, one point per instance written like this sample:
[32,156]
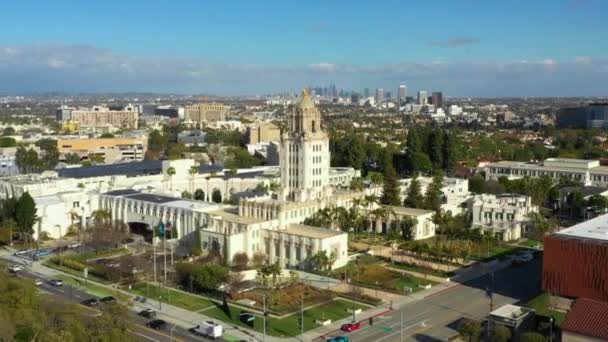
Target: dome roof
[305,102]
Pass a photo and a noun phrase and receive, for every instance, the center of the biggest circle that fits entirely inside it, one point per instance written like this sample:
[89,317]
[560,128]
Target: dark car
[108,299]
[246,317]
[56,282]
[90,302]
[127,241]
[148,313]
[157,324]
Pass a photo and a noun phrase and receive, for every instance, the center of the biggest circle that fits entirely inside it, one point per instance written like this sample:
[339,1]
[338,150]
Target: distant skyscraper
[354,97]
[379,95]
[402,94]
[423,98]
[437,99]
[366,92]
[388,96]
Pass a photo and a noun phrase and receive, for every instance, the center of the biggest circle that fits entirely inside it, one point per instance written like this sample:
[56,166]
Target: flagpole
[154,253]
[165,254]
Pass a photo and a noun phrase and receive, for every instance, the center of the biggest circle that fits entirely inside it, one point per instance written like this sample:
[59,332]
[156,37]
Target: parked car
[37,282]
[148,313]
[74,245]
[108,299]
[246,317]
[90,302]
[338,339]
[157,324]
[56,282]
[15,268]
[127,241]
[352,326]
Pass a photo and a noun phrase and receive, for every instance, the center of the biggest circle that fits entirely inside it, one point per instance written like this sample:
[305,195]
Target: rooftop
[311,232]
[231,217]
[131,169]
[173,202]
[588,317]
[596,229]
[511,311]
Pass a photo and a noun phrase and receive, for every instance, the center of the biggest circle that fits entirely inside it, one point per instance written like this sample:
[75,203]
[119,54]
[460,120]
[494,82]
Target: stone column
[281,250]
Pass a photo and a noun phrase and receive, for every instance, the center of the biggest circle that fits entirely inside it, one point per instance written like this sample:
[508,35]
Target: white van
[209,329]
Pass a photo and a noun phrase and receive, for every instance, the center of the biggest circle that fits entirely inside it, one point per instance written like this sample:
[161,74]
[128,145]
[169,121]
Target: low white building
[505,216]
[423,229]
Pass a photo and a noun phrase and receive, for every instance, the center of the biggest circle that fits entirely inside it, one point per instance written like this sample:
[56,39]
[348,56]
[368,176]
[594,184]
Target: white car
[37,282]
[56,282]
[15,268]
[74,245]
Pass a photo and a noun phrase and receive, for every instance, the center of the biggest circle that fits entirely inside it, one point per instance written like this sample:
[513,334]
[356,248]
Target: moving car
[56,282]
[338,339]
[148,313]
[15,268]
[90,302]
[352,326]
[108,299]
[74,245]
[209,329]
[157,324]
[37,282]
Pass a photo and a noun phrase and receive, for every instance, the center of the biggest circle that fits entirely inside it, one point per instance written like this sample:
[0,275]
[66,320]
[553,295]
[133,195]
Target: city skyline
[464,49]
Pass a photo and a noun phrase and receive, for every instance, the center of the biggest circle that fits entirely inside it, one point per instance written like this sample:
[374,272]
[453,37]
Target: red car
[352,326]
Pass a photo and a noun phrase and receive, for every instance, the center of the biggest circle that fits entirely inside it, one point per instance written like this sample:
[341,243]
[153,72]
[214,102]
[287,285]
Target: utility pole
[154,256]
[401,326]
[302,320]
[264,315]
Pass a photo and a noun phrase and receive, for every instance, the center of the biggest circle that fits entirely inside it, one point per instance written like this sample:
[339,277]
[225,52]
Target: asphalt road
[138,326]
[436,318]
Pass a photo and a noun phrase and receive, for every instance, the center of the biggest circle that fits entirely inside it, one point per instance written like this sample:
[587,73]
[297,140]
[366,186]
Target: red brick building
[575,261]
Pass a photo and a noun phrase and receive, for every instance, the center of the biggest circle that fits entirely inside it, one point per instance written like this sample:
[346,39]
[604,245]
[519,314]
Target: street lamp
[551,319]
[160,303]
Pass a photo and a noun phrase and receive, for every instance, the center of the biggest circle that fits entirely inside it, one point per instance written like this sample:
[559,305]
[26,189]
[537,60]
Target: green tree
[435,148]
[449,152]
[414,197]
[171,173]
[8,142]
[477,184]
[25,215]
[532,337]
[391,194]
[500,333]
[469,329]
[8,131]
[72,158]
[432,198]
[106,136]
[356,184]
[210,276]
[157,142]
[193,171]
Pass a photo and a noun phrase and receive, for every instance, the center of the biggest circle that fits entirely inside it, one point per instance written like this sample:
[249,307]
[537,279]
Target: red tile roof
[588,317]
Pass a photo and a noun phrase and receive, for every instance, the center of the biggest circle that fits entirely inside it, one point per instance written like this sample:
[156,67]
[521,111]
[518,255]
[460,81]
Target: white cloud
[85,68]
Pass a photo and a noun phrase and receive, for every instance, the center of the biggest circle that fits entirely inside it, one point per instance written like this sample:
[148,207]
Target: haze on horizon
[463,48]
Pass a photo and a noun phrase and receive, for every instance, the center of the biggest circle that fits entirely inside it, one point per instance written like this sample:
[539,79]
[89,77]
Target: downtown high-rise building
[366,92]
[423,97]
[401,94]
[379,95]
[437,99]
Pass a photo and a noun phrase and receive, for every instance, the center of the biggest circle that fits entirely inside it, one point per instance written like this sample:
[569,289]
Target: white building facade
[504,216]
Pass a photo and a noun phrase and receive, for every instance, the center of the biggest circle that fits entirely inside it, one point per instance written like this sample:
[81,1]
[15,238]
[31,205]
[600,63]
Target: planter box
[323,322]
[357,311]
[428,286]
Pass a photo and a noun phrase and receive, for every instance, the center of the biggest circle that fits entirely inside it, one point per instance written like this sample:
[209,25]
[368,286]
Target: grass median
[170,296]
[288,326]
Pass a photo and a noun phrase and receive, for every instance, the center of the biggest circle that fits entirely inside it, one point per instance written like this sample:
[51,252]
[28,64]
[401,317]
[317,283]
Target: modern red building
[575,261]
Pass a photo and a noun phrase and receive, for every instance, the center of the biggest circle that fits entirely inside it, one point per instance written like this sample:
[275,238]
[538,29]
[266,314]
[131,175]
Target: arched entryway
[216,196]
[141,228]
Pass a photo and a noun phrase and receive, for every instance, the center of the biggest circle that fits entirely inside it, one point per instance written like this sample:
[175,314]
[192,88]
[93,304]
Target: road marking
[159,333]
[144,336]
[421,323]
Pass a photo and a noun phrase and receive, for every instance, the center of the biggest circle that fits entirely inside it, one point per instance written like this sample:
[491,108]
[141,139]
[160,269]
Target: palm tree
[369,202]
[379,214]
[376,179]
[101,215]
[193,171]
[171,173]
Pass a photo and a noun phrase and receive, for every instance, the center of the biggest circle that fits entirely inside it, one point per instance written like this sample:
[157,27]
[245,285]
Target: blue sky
[464,47]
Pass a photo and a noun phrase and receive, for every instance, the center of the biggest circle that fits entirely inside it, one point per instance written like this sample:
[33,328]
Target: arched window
[314,126]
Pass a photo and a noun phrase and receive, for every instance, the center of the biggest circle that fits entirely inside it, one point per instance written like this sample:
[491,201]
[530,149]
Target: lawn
[93,289]
[92,255]
[170,296]
[74,272]
[496,252]
[286,299]
[541,304]
[288,326]
[421,269]
[377,276]
[531,243]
